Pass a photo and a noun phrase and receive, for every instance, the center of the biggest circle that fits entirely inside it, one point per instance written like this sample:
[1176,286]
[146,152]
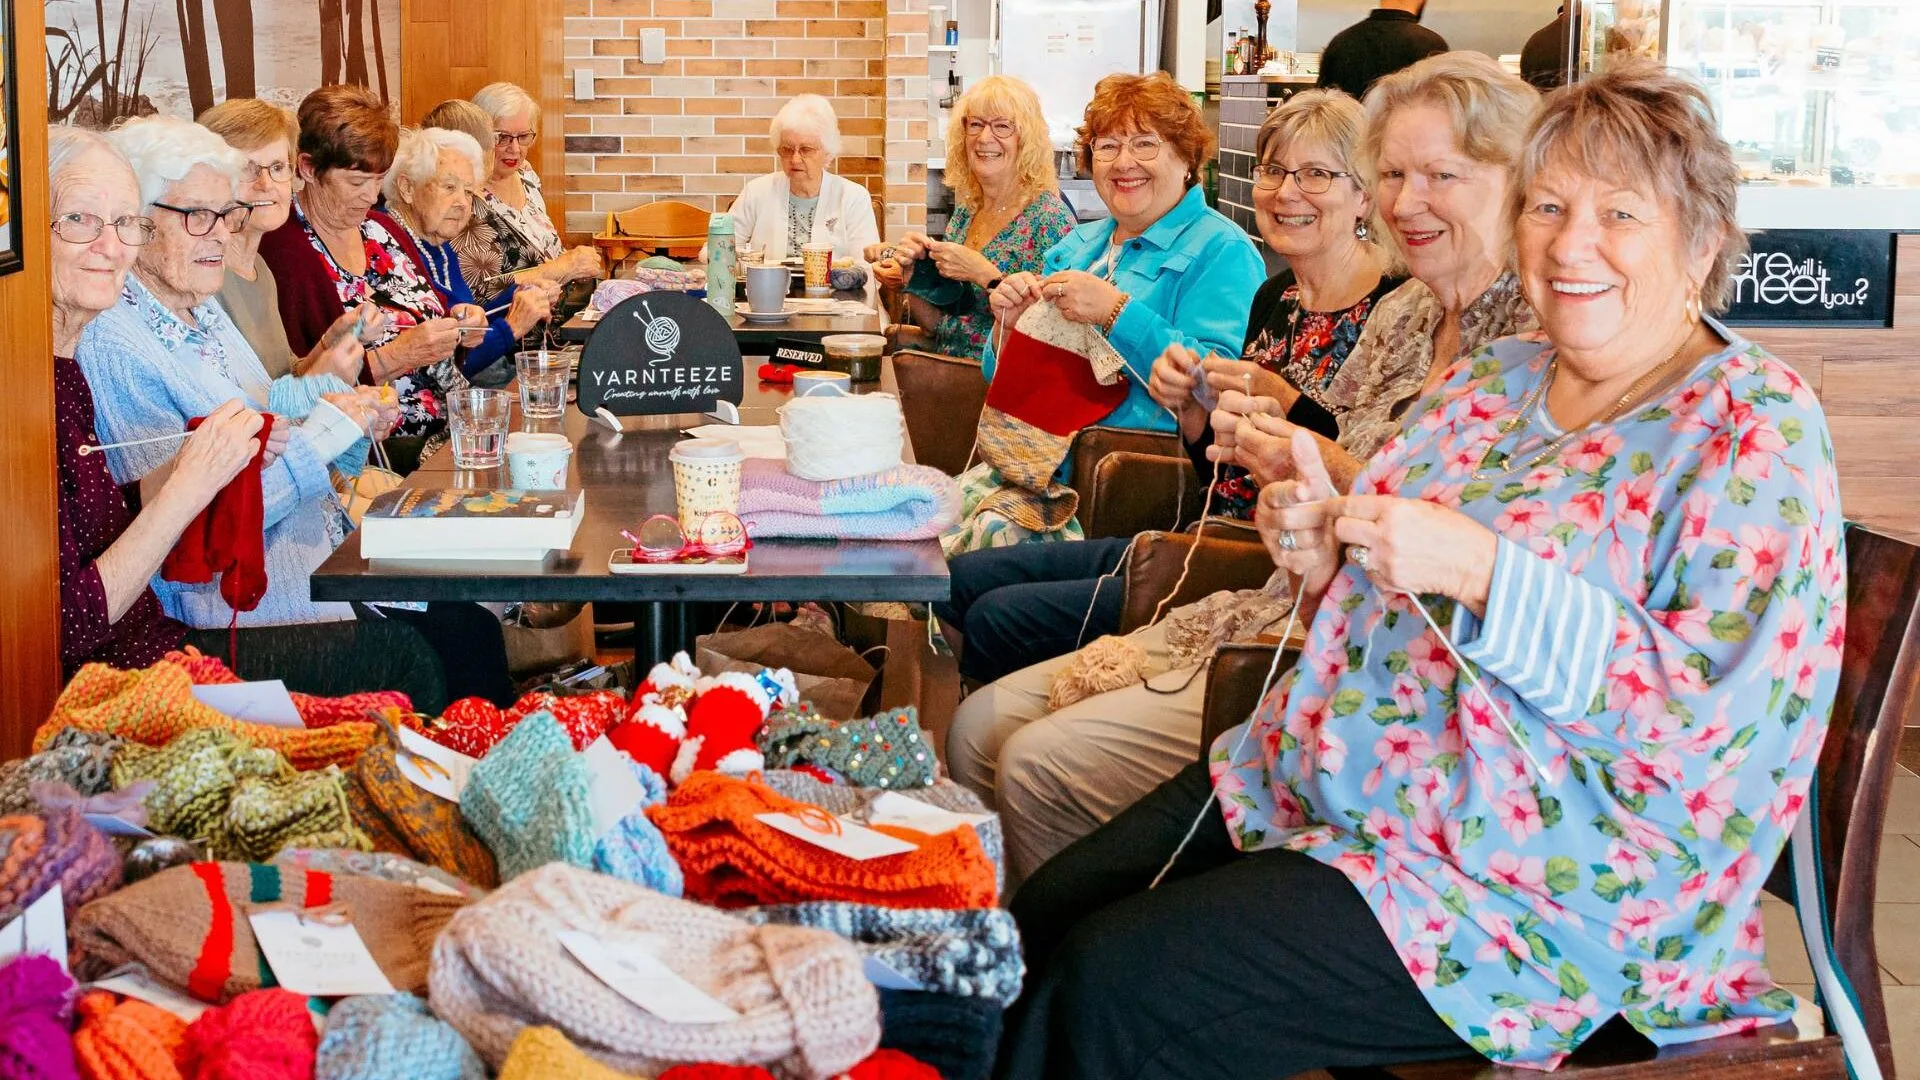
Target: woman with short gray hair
[803,202]
[511,233]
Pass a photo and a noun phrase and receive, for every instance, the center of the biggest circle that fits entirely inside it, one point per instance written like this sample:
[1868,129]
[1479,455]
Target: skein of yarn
[833,437]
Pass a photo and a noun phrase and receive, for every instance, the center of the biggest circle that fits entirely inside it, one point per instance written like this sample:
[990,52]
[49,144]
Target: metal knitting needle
[89,448]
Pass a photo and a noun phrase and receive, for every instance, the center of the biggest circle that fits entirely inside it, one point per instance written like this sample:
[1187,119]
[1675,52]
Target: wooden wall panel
[451,48]
[29,531]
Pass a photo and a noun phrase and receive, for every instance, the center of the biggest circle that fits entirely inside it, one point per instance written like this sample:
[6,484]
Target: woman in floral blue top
[1627,530]
[1009,213]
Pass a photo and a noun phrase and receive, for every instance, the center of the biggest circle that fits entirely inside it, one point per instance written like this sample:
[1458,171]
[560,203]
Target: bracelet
[1114,315]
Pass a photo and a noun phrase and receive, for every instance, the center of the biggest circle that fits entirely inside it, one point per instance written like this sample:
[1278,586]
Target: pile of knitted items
[855,803]
[59,847]
[732,859]
[393,1037]
[259,1035]
[239,800]
[965,952]
[79,759]
[155,705]
[401,817]
[906,502]
[188,925]
[805,1007]
[34,1010]
[383,865]
[683,722]
[315,712]
[889,750]
[474,726]
[529,801]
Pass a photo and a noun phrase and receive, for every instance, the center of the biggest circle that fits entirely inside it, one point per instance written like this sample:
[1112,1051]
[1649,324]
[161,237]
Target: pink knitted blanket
[907,502]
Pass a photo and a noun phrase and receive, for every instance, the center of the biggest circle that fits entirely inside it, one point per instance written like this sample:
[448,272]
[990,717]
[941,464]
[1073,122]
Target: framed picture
[10,179]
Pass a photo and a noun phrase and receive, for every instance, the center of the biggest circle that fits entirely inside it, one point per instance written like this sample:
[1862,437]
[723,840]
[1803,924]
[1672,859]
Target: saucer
[766,316]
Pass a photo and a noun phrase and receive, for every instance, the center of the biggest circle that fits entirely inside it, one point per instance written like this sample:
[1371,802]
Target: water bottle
[720,264]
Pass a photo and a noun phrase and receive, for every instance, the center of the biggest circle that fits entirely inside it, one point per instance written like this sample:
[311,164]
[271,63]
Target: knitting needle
[89,448]
[491,312]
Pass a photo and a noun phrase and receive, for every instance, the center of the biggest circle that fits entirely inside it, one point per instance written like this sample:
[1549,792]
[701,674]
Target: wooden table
[761,336]
[627,479]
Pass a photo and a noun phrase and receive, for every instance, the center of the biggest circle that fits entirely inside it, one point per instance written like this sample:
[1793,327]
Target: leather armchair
[941,397]
[1234,680]
[1093,445]
[1232,561]
[1135,493]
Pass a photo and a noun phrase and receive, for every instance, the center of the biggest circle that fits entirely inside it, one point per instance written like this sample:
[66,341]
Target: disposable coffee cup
[537,461]
[767,289]
[815,261]
[706,479]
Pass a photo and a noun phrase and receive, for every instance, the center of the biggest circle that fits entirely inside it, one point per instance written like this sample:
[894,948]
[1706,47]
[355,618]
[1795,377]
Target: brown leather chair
[1135,493]
[1229,557]
[941,397]
[1093,445]
[1879,676]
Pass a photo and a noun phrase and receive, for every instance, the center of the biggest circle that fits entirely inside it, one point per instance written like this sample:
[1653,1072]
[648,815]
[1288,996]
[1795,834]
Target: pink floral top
[1664,631]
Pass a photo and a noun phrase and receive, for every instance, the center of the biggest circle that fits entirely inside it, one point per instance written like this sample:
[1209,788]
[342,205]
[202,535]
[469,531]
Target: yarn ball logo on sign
[660,353]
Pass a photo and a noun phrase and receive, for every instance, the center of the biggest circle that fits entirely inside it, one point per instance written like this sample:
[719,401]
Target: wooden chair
[941,397]
[1879,674]
[667,227]
[1092,446]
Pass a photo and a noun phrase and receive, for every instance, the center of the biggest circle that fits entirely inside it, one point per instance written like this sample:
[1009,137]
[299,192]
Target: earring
[1360,230]
[1694,307]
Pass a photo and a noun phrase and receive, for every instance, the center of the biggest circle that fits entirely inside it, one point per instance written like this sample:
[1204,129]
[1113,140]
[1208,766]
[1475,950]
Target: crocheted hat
[732,859]
[723,720]
[634,850]
[34,1008]
[854,802]
[966,952]
[806,1010]
[401,817]
[79,759]
[188,925]
[39,851]
[156,704]
[260,1035]
[126,1039]
[315,711]
[957,1036]
[472,725]
[885,751]
[543,1053]
[584,717]
[383,865]
[392,1037]
[527,799]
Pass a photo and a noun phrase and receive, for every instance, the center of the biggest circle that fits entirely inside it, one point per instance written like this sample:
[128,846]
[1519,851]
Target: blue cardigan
[443,266]
[1192,276]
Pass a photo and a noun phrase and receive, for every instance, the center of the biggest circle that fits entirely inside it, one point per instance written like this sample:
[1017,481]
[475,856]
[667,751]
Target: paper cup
[537,461]
[815,261]
[706,479]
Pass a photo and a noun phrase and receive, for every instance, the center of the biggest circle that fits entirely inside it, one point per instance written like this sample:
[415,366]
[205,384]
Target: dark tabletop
[627,479]
[798,327]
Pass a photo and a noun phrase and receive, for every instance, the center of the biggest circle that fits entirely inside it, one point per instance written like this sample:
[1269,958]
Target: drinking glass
[478,422]
[543,382]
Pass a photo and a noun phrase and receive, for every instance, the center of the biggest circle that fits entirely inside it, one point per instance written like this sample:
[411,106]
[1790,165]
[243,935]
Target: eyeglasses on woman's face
[1142,147]
[515,138]
[200,219]
[804,153]
[86,228]
[279,171]
[1312,179]
[1002,129]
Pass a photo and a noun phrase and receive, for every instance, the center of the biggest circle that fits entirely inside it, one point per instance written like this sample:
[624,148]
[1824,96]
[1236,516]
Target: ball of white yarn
[833,437]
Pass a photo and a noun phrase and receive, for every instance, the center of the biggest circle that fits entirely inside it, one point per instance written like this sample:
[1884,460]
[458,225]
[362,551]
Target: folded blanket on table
[907,502]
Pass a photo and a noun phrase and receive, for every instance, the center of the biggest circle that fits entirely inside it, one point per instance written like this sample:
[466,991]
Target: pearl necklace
[1524,417]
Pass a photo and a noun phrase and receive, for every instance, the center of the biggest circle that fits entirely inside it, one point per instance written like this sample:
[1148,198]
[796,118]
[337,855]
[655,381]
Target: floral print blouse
[1022,245]
[502,240]
[1663,630]
[396,284]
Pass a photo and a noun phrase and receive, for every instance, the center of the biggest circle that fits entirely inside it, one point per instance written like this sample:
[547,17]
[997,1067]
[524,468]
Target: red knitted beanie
[260,1035]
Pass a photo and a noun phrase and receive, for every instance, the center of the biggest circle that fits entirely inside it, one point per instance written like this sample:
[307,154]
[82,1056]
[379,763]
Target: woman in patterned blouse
[1009,213]
[1574,640]
[511,234]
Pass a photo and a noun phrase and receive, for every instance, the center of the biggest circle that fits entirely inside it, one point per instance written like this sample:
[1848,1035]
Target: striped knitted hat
[527,799]
[188,925]
[401,817]
[393,1037]
[34,1007]
[855,802]
[39,851]
[805,1007]
[126,1039]
[732,859]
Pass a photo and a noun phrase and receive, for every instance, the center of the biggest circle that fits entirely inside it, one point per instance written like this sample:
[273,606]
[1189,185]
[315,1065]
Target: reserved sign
[659,353]
[799,353]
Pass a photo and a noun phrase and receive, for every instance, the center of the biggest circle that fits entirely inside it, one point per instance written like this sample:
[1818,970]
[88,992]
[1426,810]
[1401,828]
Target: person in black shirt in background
[1388,39]
[1543,62]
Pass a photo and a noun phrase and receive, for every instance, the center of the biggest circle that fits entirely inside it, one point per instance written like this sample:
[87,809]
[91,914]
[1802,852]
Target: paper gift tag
[893,808]
[317,956]
[136,985]
[41,929]
[114,826]
[852,839]
[613,790]
[886,976]
[448,784]
[263,702]
[642,978]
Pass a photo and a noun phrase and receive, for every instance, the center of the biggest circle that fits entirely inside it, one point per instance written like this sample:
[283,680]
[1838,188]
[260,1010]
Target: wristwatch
[995,283]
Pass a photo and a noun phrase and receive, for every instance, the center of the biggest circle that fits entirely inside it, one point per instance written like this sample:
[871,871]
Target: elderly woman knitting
[1574,637]
[511,233]
[802,202]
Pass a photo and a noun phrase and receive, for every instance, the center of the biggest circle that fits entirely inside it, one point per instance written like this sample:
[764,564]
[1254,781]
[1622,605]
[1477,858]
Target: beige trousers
[1056,777]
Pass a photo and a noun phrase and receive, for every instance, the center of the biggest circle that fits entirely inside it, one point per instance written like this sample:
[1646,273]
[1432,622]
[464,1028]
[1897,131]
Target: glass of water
[543,382]
[478,420]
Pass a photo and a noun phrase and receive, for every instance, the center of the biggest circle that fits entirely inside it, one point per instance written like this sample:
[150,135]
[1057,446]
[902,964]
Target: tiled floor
[1896,926]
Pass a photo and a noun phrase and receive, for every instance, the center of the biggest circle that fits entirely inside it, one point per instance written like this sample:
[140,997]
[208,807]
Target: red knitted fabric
[315,712]
[731,859]
[260,1035]
[892,1065]
[716,1072]
[229,537]
[1049,387]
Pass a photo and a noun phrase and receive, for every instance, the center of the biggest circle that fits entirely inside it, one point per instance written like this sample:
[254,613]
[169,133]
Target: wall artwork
[10,178]
[111,59]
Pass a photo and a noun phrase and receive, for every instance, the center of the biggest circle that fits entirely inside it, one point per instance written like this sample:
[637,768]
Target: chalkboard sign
[1806,277]
[799,352]
[660,352]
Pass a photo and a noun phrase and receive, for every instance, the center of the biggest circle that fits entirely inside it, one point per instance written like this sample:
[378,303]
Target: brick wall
[695,127]
[907,118]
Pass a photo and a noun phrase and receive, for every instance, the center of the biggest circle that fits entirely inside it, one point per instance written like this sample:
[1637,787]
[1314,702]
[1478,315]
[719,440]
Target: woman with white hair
[511,233]
[430,191]
[801,202]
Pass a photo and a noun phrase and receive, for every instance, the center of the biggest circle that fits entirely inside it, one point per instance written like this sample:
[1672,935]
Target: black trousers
[1023,604]
[1238,967]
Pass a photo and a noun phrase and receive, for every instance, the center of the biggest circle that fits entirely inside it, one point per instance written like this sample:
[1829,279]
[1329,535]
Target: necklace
[1524,417]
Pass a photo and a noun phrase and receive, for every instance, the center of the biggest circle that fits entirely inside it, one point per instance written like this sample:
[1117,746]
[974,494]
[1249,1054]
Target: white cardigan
[844,217]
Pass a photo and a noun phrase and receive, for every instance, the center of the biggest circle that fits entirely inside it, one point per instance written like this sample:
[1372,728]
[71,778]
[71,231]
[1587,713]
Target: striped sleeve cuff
[1546,634]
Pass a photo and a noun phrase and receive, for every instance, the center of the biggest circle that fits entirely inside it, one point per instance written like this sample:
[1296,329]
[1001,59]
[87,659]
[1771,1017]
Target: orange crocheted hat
[154,704]
[315,711]
[731,859]
[126,1040]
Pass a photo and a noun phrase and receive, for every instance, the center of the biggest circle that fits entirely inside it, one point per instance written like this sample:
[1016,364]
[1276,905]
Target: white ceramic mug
[537,461]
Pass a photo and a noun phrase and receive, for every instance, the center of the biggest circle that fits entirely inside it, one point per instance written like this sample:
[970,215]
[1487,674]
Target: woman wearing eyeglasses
[1009,215]
[802,202]
[511,232]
